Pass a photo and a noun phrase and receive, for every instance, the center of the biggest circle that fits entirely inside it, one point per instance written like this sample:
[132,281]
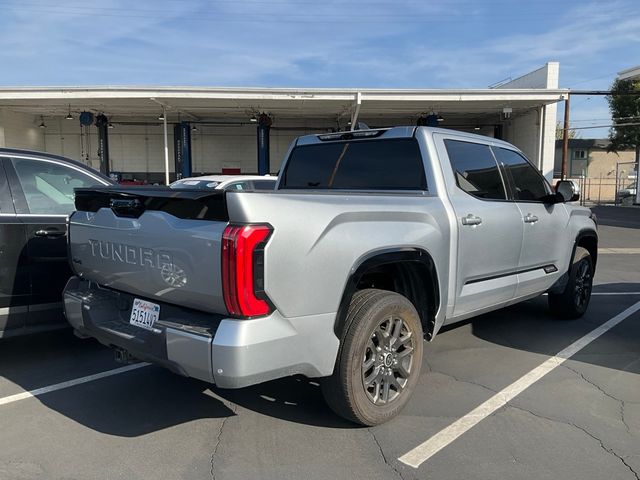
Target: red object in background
[132,182]
[231,171]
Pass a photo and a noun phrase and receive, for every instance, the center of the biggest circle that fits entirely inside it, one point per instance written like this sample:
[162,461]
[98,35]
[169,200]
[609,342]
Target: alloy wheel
[388,360]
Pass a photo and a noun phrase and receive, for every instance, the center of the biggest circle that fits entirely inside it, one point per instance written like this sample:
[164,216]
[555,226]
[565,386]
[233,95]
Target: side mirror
[567,191]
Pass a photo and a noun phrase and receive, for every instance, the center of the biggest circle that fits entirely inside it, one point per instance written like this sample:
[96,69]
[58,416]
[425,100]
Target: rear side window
[238,186]
[48,186]
[475,169]
[528,183]
[357,165]
[264,184]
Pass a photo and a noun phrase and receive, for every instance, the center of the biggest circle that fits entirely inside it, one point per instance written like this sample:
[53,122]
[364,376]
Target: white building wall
[20,130]
[524,130]
[140,148]
[132,148]
[216,147]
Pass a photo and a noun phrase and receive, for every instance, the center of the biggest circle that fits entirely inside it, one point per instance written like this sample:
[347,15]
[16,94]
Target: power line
[615,125]
[603,119]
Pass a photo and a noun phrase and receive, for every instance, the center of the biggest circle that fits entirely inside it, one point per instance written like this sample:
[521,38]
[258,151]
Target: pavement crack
[384,457]
[605,393]
[609,450]
[465,381]
[219,441]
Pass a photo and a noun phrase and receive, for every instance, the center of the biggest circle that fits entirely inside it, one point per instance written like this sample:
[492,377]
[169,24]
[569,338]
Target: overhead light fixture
[69,116]
[194,128]
[440,118]
[477,127]
[110,125]
[253,119]
[161,117]
[42,125]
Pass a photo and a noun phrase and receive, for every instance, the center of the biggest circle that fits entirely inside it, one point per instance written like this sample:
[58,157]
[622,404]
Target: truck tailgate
[153,242]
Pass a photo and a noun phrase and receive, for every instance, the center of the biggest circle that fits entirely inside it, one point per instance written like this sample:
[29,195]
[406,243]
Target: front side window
[528,183]
[394,164]
[48,186]
[475,169]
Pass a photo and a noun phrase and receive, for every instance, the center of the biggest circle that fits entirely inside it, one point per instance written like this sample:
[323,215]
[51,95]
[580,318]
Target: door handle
[50,233]
[530,218]
[471,219]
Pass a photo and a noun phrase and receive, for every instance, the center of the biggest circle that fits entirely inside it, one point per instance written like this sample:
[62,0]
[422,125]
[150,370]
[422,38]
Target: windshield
[195,184]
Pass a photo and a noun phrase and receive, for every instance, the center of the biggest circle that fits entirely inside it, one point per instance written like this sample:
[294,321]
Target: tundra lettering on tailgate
[133,255]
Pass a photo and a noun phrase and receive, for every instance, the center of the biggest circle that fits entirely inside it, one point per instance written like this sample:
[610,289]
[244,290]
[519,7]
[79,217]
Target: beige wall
[603,163]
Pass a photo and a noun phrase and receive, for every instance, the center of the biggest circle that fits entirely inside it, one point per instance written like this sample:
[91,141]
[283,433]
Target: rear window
[357,165]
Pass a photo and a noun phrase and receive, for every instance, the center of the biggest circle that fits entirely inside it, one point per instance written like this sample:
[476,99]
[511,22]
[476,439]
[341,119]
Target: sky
[329,43]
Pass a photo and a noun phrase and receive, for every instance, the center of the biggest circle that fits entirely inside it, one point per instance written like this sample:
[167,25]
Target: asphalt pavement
[580,421]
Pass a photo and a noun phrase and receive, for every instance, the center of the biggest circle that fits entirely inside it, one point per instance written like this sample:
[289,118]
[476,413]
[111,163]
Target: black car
[36,197]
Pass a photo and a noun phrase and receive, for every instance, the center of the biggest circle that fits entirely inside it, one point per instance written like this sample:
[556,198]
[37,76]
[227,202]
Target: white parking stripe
[618,251]
[440,440]
[615,293]
[69,383]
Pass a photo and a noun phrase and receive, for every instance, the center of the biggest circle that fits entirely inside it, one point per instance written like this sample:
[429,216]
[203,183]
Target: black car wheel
[574,300]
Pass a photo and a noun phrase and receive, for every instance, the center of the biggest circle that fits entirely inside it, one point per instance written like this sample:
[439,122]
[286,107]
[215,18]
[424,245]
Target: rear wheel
[574,300]
[379,359]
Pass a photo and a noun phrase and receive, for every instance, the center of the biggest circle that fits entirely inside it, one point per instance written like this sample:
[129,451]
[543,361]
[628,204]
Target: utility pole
[166,146]
[565,137]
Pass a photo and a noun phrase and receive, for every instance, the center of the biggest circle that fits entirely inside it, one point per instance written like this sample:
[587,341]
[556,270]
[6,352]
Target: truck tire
[574,300]
[379,359]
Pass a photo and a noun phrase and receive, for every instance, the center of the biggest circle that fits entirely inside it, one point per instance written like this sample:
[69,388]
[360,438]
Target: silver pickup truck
[372,240]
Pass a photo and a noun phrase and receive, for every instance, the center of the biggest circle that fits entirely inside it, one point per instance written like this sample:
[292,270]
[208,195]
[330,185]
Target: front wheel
[574,300]
[379,360]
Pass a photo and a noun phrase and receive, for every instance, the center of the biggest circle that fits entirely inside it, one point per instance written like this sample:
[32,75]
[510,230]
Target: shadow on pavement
[152,399]
[135,403]
[626,217]
[294,399]
[530,327]
[144,400]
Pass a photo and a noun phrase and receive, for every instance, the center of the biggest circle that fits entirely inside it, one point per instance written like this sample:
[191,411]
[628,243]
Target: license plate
[144,314]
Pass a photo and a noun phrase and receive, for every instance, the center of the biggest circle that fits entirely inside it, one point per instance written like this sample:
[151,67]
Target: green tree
[624,105]
[560,132]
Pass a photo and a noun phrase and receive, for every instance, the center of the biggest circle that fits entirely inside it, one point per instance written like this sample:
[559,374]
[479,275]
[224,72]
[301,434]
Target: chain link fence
[618,189]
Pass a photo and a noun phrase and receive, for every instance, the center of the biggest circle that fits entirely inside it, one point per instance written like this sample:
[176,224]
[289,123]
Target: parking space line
[619,250]
[615,293]
[444,437]
[70,383]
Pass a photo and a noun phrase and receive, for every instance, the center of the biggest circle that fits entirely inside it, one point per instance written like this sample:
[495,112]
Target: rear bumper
[228,352]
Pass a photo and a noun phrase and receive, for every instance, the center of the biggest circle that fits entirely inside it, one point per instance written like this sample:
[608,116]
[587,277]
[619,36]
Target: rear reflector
[243,270]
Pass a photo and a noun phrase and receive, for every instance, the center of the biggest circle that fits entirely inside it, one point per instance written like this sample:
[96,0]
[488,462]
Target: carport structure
[248,130]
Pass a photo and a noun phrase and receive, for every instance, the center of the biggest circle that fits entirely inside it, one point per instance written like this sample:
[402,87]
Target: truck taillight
[243,270]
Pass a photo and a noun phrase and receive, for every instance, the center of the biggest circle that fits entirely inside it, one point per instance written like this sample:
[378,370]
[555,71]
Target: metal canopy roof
[632,73]
[202,103]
